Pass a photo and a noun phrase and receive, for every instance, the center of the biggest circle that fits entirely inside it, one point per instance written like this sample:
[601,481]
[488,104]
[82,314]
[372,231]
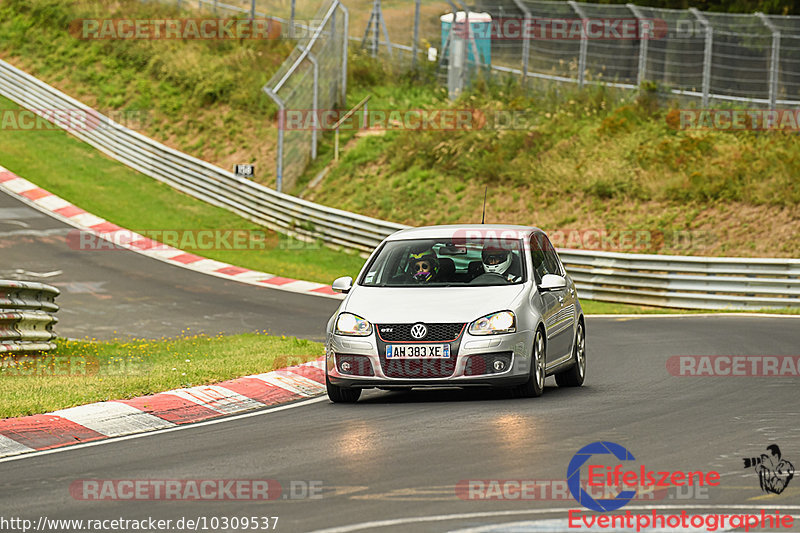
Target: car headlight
[350,324]
[502,322]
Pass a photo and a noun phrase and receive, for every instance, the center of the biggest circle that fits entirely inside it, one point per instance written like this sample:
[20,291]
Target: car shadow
[445,394]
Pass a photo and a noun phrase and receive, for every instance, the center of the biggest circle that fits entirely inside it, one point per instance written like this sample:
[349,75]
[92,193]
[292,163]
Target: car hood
[382,305]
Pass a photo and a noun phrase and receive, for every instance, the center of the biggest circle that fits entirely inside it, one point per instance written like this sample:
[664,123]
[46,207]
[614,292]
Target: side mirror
[551,282]
[343,285]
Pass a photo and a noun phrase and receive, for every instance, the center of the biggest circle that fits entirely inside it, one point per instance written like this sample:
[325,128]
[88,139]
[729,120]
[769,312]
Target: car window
[538,257]
[442,262]
[551,262]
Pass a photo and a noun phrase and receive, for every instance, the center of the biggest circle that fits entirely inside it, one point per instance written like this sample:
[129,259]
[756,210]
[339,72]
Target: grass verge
[65,166]
[81,372]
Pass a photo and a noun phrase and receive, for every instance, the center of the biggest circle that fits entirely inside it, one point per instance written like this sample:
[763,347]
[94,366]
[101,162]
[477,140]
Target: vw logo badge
[418,331]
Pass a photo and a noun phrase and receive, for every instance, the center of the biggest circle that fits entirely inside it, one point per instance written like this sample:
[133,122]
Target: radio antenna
[483,216]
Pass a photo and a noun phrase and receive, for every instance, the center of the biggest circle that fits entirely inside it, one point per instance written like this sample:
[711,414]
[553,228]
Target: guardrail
[26,319]
[669,281]
[288,214]
[684,282]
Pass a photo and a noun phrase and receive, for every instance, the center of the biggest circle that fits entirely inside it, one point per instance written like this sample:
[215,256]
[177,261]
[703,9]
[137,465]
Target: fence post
[526,42]
[281,124]
[376,12]
[345,44]
[314,104]
[642,66]
[707,54]
[291,21]
[584,43]
[415,44]
[252,9]
[774,61]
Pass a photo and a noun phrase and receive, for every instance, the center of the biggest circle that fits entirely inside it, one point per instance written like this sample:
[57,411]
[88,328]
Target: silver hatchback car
[457,306]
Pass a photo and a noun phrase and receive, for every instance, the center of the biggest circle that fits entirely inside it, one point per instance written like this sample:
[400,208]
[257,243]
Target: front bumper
[515,348]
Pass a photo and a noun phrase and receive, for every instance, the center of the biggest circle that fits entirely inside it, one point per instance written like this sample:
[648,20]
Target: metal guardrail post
[774,62]
[281,126]
[584,43]
[641,73]
[707,53]
[526,43]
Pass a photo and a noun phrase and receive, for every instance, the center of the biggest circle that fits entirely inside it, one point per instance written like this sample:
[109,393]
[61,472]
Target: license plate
[417,351]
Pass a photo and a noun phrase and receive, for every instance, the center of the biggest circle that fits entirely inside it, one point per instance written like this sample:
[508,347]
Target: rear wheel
[341,394]
[574,376]
[534,387]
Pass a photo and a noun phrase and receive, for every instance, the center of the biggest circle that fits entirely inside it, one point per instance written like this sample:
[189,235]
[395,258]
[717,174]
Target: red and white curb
[103,420]
[120,237]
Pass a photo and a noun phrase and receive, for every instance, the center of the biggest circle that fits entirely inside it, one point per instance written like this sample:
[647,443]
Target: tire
[534,387]
[574,375]
[341,394]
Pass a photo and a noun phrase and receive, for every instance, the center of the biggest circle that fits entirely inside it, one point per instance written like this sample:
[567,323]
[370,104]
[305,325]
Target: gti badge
[418,331]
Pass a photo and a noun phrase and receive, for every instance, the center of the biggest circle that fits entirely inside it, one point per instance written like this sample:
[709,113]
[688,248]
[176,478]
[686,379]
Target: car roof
[444,231]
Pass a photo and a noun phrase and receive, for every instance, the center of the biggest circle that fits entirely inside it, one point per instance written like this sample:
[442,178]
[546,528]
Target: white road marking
[113,419]
[9,446]
[217,399]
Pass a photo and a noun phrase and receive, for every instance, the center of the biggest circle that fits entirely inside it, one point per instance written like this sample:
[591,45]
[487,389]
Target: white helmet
[496,260]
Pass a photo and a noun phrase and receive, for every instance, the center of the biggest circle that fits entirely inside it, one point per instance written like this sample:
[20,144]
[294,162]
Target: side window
[550,258]
[537,256]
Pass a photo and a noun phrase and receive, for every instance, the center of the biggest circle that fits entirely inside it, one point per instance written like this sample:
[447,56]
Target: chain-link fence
[313,78]
[712,56]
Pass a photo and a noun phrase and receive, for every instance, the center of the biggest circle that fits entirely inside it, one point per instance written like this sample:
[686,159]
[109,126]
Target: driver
[424,266]
[498,261]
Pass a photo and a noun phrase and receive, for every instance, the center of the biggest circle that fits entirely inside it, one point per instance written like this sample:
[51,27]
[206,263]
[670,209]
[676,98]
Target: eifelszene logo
[607,476]
[774,473]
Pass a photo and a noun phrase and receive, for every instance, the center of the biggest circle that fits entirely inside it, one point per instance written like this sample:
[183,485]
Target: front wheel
[341,394]
[534,387]
[574,376]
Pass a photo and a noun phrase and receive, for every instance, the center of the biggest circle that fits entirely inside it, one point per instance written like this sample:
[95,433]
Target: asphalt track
[118,293]
[398,457]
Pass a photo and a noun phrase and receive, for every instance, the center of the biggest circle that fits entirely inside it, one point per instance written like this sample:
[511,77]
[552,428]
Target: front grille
[415,368]
[437,332]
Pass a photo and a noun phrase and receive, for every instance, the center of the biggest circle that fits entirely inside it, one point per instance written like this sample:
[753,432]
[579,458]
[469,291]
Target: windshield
[442,263]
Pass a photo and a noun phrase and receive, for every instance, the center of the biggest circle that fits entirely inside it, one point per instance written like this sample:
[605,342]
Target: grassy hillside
[583,161]
[595,159]
[199,96]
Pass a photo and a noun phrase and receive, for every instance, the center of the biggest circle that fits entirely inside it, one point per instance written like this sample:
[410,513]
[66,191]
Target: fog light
[499,365]
[345,367]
